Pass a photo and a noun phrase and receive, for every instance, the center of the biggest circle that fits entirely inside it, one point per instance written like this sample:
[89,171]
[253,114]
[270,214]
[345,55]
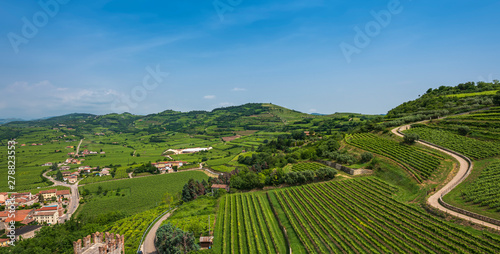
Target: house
[220,186]
[4,242]
[65,168]
[22,216]
[23,144]
[33,144]
[102,152]
[206,242]
[48,194]
[104,172]
[3,196]
[66,173]
[48,164]
[63,194]
[27,232]
[47,215]
[72,179]
[70,147]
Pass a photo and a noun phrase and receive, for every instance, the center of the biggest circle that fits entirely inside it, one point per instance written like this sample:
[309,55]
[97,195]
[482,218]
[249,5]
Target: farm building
[206,242]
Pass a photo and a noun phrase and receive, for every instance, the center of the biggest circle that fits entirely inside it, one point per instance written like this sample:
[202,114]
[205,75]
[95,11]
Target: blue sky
[101,56]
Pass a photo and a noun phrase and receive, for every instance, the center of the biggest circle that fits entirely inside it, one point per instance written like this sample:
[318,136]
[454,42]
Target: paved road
[75,197]
[148,247]
[433,200]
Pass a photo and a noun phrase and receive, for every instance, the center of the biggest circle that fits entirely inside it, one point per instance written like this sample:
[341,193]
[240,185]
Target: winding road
[75,197]
[148,247]
[461,175]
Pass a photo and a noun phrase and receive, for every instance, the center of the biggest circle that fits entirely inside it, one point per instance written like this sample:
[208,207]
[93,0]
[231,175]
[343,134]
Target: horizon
[310,56]
[78,113]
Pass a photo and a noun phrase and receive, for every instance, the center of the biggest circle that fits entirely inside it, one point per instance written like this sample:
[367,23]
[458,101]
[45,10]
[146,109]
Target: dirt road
[459,177]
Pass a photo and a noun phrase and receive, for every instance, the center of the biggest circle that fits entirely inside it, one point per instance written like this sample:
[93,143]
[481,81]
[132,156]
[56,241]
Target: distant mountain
[8,120]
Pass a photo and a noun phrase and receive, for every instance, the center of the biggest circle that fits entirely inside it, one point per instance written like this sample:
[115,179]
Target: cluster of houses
[57,200]
[168,166]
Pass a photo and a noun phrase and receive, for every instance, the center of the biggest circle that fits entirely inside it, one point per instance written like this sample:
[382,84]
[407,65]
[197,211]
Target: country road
[75,197]
[148,247]
[459,177]
[78,148]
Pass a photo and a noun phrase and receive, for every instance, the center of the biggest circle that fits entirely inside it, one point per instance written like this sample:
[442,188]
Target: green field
[485,191]
[141,193]
[369,220]
[418,162]
[307,166]
[246,224]
[463,95]
[470,147]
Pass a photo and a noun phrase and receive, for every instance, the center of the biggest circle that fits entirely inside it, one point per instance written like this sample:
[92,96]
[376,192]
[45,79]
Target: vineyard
[246,224]
[307,166]
[419,163]
[485,191]
[133,227]
[467,146]
[359,216]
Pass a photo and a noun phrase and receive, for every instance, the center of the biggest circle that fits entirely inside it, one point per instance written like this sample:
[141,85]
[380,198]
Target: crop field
[470,147]
[246,224]
[417,161]
[144,192]
[485,191]
[307,166]
[133,227]
[463,95]
[369,220]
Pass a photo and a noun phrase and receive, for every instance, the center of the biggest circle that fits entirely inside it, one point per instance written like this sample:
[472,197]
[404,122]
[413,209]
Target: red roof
[20,215]
[48,191]
[63,192]
[47,208]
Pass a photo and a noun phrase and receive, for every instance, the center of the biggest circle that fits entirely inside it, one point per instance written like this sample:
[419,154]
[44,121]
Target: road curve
[148,247]
[75,197]
[459,177]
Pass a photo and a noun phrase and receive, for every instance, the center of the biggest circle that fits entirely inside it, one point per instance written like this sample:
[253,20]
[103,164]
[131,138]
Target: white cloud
[22,99]
[238,89]
[209,97]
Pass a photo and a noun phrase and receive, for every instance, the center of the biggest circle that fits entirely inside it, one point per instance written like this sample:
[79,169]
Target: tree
[366,157]
[463,130]
[496,99]
[411,138]
[172,240]
[59,176]
[186,194]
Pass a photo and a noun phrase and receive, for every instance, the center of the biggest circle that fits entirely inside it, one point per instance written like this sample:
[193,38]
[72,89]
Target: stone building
[100,243]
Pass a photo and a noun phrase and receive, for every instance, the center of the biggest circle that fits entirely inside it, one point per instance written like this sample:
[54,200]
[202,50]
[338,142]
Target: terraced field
[360,216]
[470,147]
[246,224]
[485,191]
[417,161]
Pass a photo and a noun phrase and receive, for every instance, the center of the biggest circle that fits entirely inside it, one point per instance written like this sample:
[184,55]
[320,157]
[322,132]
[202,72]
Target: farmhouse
[48,164]
[72,179]
[48,194]
[22,216]
[47,215]
[63,194]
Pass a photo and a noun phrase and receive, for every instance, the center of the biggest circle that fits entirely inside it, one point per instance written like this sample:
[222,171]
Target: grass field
[141,193]
[462,95]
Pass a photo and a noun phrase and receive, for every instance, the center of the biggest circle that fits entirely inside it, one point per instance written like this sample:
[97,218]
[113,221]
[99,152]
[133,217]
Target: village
[32,211]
